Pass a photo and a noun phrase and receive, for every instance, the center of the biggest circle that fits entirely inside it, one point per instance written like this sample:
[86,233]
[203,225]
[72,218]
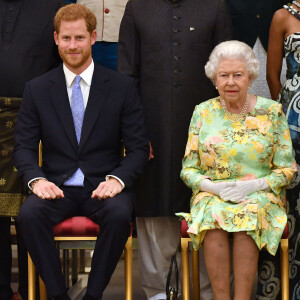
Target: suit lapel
[100,88]
[60,100]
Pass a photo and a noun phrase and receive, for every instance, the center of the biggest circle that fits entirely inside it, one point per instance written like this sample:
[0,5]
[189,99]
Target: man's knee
[119,211]
[29,212]
[120,217]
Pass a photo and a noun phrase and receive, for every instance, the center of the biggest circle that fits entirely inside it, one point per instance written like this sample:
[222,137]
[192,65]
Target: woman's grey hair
[232,50]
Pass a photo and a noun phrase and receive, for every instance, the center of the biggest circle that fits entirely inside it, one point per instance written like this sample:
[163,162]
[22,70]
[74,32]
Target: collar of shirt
[85,83]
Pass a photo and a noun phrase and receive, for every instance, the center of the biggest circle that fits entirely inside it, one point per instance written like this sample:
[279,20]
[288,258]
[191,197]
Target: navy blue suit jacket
[113,116]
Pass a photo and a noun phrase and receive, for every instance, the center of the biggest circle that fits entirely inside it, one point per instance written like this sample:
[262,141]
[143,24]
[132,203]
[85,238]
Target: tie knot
[77,79]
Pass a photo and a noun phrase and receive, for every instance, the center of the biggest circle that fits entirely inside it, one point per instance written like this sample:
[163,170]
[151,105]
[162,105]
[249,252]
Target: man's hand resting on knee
[107,189]
[45,189]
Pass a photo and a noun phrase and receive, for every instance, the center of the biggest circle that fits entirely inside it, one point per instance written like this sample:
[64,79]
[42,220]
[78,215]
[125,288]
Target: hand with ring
[107,189]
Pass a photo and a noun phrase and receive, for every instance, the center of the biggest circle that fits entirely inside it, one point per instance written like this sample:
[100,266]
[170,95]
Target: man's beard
[78,61]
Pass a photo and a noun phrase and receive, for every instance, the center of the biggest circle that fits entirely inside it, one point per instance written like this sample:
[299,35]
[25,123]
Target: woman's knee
[216,237]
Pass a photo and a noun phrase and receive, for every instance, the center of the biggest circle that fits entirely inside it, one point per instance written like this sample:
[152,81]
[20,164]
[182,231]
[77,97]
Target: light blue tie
[77,107]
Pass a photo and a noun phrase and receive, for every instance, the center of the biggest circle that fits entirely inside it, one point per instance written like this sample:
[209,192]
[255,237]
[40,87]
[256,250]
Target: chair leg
[74,266]
[43,293]
[185,269]
[195,269]
[31,279]
[81,261]
[66,267]
[284,258]
[128,269]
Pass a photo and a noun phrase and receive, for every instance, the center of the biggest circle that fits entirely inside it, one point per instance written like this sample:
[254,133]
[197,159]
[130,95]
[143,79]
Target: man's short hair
[74,12]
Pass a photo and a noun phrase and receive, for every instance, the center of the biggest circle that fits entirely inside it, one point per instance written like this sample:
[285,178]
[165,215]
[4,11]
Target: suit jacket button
[65,176]
[258,16]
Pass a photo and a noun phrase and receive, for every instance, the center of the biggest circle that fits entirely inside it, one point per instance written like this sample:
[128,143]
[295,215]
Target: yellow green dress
[259,146]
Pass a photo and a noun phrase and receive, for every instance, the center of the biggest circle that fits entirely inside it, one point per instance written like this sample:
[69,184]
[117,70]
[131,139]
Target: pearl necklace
[235,117]
[296,3]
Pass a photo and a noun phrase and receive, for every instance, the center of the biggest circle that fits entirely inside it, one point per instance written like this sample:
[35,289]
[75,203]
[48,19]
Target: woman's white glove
[242,189]
[215,188]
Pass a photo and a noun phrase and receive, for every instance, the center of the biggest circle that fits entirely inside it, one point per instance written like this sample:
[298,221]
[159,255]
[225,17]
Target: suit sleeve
[135,139]
[129,45]
[223,29]
[27,138]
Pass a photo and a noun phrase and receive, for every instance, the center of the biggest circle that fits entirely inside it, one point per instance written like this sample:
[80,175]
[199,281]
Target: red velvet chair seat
[184,228]
[76,226]
[285,234]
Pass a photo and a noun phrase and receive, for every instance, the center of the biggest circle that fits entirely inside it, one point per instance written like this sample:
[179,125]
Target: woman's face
[232,80]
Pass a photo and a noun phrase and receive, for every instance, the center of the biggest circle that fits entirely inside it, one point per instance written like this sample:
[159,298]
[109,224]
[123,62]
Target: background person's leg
[5,259]
[158,241]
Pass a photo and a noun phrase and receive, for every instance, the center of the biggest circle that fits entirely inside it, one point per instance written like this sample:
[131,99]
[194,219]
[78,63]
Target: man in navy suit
[82,113]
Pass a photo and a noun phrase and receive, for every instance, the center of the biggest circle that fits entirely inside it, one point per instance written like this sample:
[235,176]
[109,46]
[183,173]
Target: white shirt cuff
[29,182]
[122,183]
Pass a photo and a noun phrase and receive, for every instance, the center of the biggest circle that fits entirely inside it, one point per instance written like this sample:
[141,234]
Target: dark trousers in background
[5,259]
[105,54]
[6,262]
[38,216]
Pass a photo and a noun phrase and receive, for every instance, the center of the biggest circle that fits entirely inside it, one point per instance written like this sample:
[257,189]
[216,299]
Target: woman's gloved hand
[215,188]
[242,189]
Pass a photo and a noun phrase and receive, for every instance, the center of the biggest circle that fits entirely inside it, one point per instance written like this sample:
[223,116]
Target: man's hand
[107,189]
[45,189]
[151,155]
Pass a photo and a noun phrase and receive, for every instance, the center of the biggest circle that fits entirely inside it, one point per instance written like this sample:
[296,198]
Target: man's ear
[93,37]
[56,38]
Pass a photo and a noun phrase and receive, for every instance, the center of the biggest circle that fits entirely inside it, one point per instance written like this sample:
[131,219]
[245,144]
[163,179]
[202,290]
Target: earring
[216,87]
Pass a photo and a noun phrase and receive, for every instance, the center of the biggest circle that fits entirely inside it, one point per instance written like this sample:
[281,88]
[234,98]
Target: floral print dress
[257,147]
[269,267]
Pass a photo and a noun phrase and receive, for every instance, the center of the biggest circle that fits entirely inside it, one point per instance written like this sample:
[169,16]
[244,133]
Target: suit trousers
[38,216]
[158,241]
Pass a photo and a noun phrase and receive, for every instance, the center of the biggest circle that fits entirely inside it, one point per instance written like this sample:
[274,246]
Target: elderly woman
[238,160]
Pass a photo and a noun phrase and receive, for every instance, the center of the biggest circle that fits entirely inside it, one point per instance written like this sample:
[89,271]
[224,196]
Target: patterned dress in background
[257,147]
[269,275]
[12,192]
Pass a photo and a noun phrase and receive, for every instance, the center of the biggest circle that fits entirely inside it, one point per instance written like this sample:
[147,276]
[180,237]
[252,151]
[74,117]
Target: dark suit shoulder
[101,74]
[50,75]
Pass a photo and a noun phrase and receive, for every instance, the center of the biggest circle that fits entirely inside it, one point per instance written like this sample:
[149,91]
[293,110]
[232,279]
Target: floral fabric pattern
[269,267]
[221,150]
[12,192]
